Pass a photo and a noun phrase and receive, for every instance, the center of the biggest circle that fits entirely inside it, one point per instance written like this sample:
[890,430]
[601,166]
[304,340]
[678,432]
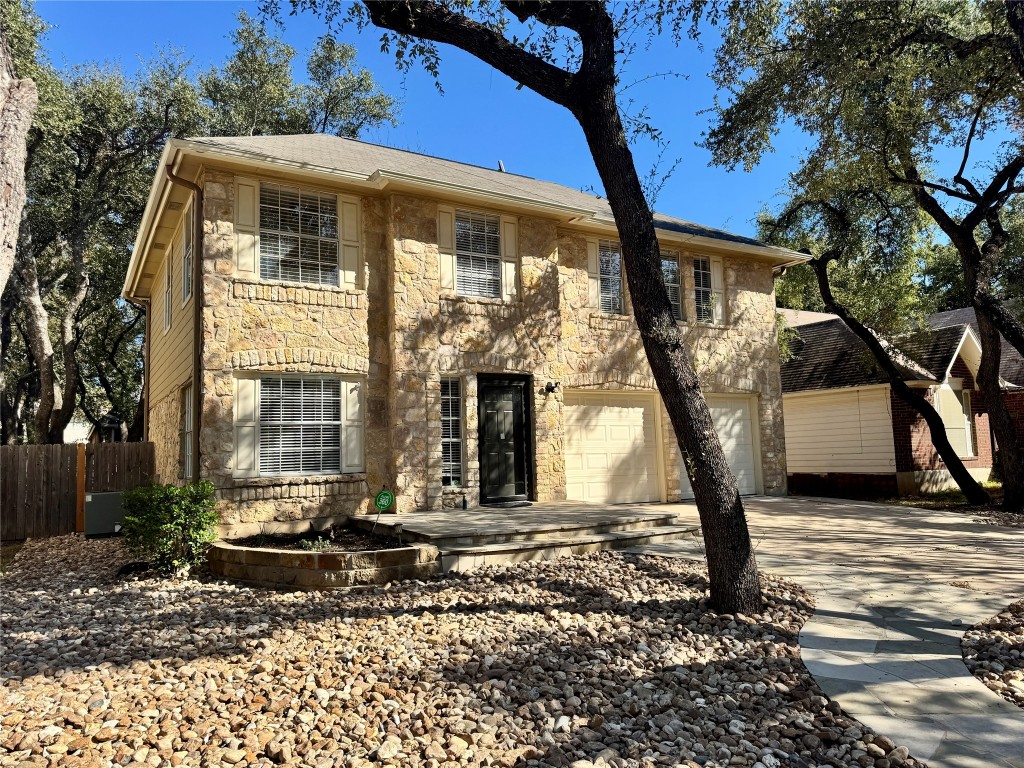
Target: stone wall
[262,326]
[404,334]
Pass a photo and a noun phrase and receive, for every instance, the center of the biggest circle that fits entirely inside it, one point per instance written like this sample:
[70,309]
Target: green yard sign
[384,500]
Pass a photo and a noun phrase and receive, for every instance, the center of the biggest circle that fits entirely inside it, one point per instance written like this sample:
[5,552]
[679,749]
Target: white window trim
[496,258]
[611,246]
[188,252]
[459,418]
[260,228]
[965,399]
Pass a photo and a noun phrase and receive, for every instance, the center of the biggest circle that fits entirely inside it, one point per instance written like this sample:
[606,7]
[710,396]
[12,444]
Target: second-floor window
[298,235]
[188,234]
[477,254]
[670,271]
[707,291]
[168,309]
[611,277]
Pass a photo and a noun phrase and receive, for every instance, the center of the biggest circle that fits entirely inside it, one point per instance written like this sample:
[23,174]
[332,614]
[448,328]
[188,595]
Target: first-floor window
[954,406]
[186,431]
[670,271]
[611,277]
[451,432]
[300,420]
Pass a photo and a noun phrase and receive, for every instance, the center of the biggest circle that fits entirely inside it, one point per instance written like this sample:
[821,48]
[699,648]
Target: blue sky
[481,117]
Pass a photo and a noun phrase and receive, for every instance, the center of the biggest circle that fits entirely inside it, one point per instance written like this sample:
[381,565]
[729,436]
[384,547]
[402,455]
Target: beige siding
[848,431]
[170,363]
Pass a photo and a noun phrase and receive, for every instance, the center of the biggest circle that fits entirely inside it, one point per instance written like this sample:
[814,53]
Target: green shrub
[170,526]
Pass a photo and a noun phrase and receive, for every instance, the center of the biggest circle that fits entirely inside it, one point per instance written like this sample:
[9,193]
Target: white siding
[845,431]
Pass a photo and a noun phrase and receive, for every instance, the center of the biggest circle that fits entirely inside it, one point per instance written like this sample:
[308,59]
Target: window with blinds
[299,426]
[168,309]
[298,235]
[188,234]
[186,431]
[477,254]
[670,272]
[451,433]
[703,291]
[610,260]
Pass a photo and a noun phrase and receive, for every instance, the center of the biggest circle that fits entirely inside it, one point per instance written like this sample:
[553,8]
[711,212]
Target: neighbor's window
[298,235]
[299,426]
[707,297]
[168,309]
[670,271]
[451,432]
[186,431]
[187,237]
[477,254]
[611,277]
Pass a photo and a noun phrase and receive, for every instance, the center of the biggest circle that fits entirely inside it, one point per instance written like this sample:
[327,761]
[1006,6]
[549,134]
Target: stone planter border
[292,569]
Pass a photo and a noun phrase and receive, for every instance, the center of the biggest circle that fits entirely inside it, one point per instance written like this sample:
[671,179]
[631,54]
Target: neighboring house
[350,317]
[78,430]
[846,432]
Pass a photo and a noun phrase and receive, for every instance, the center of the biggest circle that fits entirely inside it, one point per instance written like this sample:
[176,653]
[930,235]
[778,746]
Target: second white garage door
[732,422]
[611,452]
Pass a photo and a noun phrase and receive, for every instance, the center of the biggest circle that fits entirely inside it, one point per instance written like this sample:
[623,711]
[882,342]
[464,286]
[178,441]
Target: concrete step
[477,535]
[466,558]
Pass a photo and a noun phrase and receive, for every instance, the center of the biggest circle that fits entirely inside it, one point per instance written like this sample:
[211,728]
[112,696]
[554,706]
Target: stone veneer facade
[404,334]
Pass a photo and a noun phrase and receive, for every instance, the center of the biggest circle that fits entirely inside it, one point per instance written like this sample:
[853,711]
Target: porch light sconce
[551,386]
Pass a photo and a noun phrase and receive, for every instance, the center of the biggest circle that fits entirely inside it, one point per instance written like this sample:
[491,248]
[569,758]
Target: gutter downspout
[197,307]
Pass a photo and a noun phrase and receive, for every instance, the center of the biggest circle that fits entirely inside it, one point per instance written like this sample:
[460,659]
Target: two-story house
[327,318]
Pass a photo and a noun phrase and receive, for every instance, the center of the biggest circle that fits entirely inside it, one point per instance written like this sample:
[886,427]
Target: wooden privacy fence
[43,487]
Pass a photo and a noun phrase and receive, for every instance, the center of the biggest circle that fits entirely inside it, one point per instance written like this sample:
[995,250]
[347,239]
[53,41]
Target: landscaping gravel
[994,652]
[604,660]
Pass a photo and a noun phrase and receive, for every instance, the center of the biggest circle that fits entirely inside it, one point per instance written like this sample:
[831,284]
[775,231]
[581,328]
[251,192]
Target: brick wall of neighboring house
[914,449]
[403,333]
[1015,405]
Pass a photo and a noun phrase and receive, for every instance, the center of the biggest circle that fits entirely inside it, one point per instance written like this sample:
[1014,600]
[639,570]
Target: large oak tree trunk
[732,567]
[17,105]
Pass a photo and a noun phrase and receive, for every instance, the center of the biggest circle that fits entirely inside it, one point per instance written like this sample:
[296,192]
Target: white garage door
[611,452]
[732,422]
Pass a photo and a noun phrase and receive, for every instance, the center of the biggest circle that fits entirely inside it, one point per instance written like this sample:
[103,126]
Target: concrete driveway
[918,544]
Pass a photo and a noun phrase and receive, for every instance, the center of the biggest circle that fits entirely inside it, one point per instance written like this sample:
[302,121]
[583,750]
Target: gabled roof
[827,355]
[1011,364]
[376,167]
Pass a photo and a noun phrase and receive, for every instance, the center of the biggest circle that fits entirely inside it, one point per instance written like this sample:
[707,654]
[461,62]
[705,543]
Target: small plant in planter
[170,526]
[319,544]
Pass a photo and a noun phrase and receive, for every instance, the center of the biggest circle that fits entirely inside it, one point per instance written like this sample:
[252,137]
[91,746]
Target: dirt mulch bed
[338,538]
[954,501]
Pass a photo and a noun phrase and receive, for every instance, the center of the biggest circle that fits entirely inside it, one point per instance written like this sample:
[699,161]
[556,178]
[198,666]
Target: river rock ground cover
[994,652]
[607,660]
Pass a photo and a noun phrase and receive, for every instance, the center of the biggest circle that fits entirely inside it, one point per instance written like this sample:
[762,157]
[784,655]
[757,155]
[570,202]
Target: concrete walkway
[884,641]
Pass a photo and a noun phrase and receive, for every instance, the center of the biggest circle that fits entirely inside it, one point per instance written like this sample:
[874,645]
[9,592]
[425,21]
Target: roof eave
[154,203]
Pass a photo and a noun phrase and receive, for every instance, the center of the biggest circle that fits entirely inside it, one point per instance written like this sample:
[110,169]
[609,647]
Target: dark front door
[504,442]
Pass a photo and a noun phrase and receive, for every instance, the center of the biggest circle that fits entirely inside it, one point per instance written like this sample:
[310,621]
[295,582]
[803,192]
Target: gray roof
[1011,366]
[350,156]
[827,355]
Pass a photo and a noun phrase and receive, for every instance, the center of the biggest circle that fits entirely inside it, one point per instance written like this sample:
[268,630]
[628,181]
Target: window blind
[670,271]
[477,254]
[704,295]
[298,235]
[299,426]
[451,432]
[611,277]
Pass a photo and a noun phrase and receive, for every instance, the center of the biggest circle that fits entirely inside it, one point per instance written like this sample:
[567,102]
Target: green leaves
[170,526]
